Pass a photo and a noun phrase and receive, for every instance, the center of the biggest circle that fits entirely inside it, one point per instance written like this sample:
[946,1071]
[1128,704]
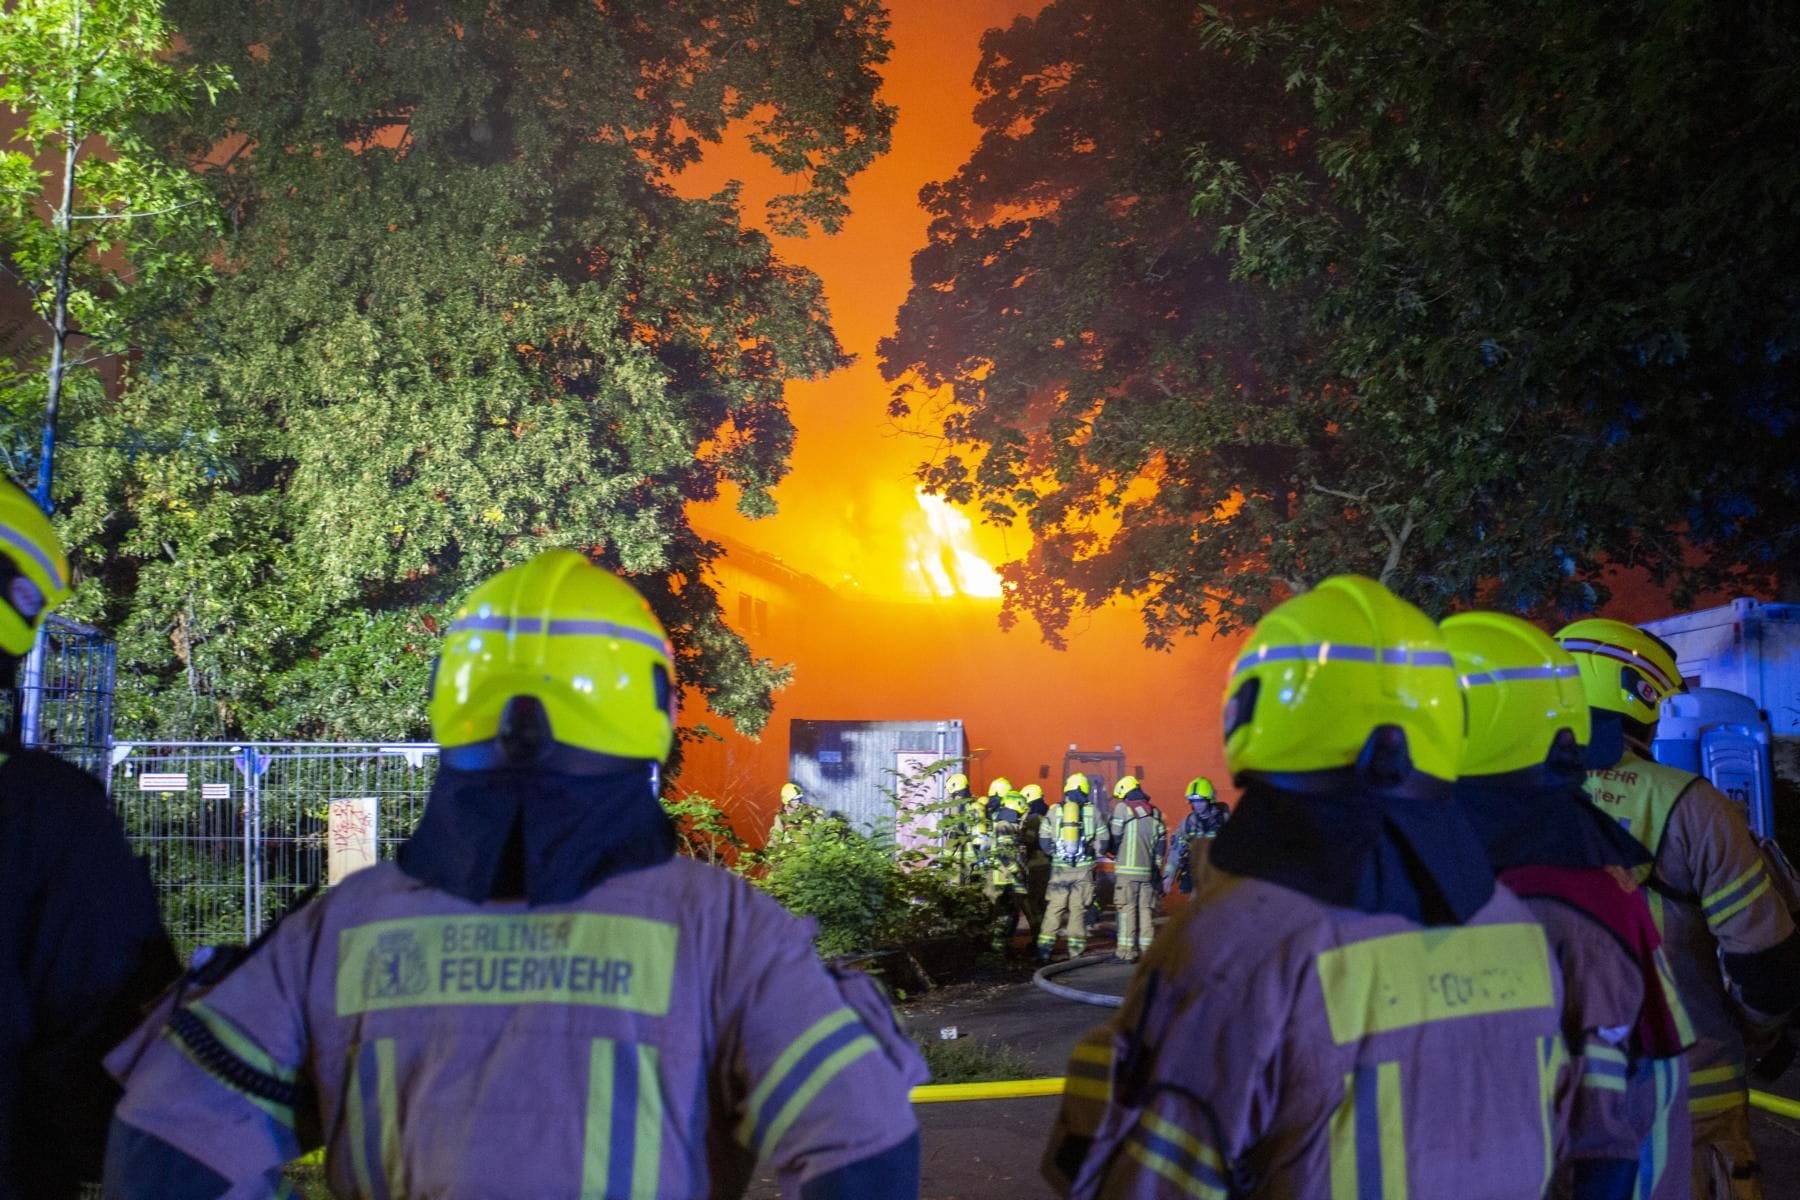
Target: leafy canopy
[95,221]
[461,316]
[1479,301]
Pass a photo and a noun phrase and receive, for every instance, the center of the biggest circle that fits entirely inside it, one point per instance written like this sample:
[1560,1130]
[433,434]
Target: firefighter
[1520,781]
[1037,862]
[997,793]
[794,812]
[1710,890]
[1350,1006]
[82,948]
[961,827]
[1005,879]
[1206,816]
[538,998]
[1067,837]
[1137,833]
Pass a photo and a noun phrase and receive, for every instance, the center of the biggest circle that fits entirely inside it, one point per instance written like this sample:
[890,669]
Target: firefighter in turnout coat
[1728,935]
[539,998]
[1351,1006]
[1521,783]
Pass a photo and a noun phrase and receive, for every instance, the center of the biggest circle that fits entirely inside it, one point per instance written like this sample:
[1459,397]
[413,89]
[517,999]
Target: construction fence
[236,833]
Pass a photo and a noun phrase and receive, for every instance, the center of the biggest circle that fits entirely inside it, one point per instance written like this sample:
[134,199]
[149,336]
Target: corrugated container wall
[863,769]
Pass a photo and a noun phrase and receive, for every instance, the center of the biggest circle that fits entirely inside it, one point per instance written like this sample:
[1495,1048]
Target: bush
[969,1060]
[825,870]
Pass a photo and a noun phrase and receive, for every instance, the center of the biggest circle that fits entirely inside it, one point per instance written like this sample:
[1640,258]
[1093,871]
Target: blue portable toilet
[1724,737]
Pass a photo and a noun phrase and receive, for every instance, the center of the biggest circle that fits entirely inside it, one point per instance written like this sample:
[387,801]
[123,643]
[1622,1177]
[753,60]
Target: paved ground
[989,1150]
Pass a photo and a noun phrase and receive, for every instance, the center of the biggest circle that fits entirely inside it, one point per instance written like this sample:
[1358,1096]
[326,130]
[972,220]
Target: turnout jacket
[1273,1045]
[1137,833]
[656,1037]
[82,953]
[1714,902]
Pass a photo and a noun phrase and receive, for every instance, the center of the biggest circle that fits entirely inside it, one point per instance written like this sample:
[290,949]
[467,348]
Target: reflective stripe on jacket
[654,1039]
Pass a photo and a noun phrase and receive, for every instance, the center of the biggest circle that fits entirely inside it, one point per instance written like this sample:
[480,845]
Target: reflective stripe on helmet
[1625,655]
[1324,652]
[1514,674]
[35,552]
[492,623]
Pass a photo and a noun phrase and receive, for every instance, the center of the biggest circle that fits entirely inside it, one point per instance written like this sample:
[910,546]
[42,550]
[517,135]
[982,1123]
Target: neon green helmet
[1326,669]
[34,570]
[957,784]
[1076,783]
[791,791]
[575,638]
[1125,787]
[1032,793]
[1201,788]
[1521,690]
[1623,669]
[1000,786]
[1016,802]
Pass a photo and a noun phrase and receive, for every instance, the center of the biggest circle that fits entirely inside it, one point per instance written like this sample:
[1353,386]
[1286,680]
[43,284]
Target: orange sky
[848,510]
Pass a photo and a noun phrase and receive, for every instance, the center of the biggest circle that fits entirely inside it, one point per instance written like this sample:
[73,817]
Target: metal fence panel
[236,832]
[64,701]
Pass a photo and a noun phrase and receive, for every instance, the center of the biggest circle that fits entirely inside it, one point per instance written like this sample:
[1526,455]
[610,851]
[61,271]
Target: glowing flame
[941,556]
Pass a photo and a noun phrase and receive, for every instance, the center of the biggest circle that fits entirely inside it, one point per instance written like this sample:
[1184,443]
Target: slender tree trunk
[59,315]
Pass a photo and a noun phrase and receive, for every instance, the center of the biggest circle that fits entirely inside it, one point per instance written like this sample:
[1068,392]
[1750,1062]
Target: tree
[1076,336]
[91,240]
[462,317]
[1478,302]
[1539,255]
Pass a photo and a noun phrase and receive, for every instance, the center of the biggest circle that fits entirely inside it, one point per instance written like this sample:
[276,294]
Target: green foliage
[703,830]
[96,223]
[1534,258]
[461,317]
[1478,300]
[827,871]
[970,1060]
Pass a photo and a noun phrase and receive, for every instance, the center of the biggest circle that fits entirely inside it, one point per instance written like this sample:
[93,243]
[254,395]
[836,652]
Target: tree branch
[130,216]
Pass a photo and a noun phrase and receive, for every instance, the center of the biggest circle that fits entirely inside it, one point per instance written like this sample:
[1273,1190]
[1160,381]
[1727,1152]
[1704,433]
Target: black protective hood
[531,831]
[1541,817]
[1378,837]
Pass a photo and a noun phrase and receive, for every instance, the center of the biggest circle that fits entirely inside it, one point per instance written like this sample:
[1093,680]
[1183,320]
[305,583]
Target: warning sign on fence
[215,791]
[350,837]
[164,781]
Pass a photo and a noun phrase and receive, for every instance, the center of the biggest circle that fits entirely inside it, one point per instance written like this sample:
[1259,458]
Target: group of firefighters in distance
[1460,938]
[1036,858]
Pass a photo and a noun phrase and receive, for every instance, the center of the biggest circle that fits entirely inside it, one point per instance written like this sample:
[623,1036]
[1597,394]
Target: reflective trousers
[1071,889]
[1137,915]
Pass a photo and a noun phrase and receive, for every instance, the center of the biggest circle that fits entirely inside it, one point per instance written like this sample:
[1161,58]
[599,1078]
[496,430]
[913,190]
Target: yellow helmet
[1521,691]
[791,791]
[1076,783]
[34,571]
[1000,786]
[1202,787]
[1326,669]
[1015,801]
[571,636]
[957,783]
[1032,793]
[1623,669]
[1125,787]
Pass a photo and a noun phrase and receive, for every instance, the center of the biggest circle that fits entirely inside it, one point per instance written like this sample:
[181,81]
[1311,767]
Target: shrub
[827,871]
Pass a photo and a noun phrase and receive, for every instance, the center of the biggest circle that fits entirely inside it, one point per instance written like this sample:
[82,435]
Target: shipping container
[865,770]
[1747,646]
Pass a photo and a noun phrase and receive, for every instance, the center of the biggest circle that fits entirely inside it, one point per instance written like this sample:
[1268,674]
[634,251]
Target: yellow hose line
[1779,1105]
[1001,1089]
